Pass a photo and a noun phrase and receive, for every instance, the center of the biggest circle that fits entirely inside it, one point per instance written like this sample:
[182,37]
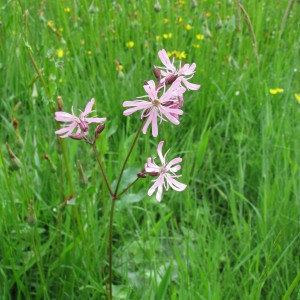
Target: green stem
[110,246]
[128,155]
[127,188]
[102,171]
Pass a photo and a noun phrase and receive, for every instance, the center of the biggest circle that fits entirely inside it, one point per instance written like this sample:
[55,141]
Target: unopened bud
[157,6]
[153,174]
[77,136]
[156,72]
[60,103]
[194,3]
[170,79]
[121,75]
[98,130]
[219,23]
[141,175]
[31,216]
[34,91]
[52,165]
[15,163]
[18,138]
[93,9]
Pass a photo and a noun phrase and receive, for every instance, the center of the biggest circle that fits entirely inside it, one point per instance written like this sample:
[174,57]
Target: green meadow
[233,233]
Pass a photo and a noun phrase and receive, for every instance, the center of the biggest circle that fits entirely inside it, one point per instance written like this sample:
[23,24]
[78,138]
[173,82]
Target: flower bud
[98,130]
[60,103]
[18,138]
[156,72]
[157,6]
[15,163]
[77,136]
[141,175]
[121,75]
[153,174]
[194,3]
[170,79]
[52,165]
[31,216]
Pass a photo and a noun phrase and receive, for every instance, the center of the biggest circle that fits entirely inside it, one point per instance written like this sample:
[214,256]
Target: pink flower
[73,122]
[166,173]
[167,105]
[169,72]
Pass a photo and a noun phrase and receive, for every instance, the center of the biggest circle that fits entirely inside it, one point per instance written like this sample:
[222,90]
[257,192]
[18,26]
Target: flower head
[166,173]
[73,122]
[276,91]
[184,73]
[167,105]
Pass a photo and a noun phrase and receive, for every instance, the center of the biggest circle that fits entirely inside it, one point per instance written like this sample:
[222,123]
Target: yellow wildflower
[199,37]
[50,24]
[177,54]
[166,20]
[67,9]
[276,91]
[208,14]
[60,53]
[167,35]
[188,27]
[297,96]
[129,44]
[89,52]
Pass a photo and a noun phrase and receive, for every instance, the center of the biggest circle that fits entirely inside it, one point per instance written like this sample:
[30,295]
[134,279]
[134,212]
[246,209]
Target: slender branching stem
[127,157]
[110,245]
[102,171]
[127,188]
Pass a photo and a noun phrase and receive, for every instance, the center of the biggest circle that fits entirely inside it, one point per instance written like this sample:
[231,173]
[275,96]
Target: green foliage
[233,234]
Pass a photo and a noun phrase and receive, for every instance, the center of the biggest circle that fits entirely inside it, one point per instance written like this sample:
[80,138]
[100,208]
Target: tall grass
[233,234]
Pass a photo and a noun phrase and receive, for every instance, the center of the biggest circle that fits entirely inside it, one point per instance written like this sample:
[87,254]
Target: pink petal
[164,58]
[190,86]
[190,70]
[62,116]
[159,193]
[146,125]
[94,120]
[154,123]
[159,151]
[88,108]
[151,90]
[174,184]
[174,161]
[67,130]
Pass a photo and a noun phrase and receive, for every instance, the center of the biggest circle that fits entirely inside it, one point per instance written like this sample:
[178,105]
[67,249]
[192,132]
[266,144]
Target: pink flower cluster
[163,103]
[167,106]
